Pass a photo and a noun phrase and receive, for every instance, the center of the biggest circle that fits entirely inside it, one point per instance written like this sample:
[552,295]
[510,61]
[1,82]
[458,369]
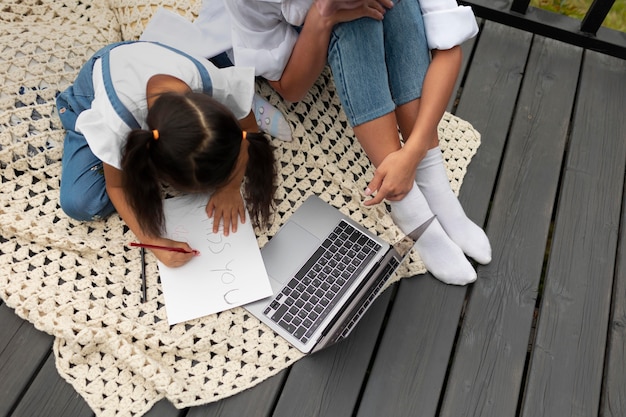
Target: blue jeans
[379,65]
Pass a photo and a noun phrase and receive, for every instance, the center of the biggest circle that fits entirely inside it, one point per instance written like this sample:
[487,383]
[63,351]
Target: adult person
[380,59]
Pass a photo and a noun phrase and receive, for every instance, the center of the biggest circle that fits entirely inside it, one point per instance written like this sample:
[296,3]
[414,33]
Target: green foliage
[616,18]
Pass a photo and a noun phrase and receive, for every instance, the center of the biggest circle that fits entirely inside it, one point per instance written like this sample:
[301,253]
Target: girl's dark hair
[196,151]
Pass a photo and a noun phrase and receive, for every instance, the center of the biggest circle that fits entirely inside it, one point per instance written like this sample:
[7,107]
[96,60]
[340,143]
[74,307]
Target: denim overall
[83,189]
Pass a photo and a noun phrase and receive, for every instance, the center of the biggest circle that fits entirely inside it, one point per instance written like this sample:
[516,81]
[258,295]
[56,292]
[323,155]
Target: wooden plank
[23,349]
[50,395]
[325,383]
[614,395]
[410,365]
[328,382]
[488,369]
[488,101]
[410,368]
[567,361]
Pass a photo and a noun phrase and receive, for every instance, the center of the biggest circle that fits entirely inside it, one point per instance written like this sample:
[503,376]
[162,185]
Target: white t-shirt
[132,65]
[264,37]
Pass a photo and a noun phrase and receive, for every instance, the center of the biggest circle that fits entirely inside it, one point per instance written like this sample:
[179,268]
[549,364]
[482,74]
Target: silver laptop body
[303,312]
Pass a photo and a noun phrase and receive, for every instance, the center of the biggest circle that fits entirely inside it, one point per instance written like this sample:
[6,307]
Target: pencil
[144,287]
[168,248]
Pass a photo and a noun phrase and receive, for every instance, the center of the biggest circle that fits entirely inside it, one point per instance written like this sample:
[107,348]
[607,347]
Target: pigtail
[140,180]
[260,183]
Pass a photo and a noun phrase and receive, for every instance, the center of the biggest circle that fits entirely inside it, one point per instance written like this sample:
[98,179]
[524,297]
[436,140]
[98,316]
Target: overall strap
[118,106]
[207,85]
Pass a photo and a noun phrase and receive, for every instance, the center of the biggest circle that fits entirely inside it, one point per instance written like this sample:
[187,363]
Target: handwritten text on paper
[229,271]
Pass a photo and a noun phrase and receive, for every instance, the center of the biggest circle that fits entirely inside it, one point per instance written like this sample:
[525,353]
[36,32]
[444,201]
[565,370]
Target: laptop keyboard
[315,289]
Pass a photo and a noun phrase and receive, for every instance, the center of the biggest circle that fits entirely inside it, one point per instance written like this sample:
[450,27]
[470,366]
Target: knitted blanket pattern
[79,281]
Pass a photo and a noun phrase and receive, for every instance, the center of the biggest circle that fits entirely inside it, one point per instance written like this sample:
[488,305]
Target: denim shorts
[379,65]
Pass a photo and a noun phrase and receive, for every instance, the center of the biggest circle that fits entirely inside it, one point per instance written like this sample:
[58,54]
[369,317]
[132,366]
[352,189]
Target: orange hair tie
[155,134]
[243,135]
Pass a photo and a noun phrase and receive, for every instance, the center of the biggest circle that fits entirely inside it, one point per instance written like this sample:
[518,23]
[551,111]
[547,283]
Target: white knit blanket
[79,281]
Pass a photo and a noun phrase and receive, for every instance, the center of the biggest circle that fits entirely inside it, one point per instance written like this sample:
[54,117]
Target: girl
[379,55]
[141,113]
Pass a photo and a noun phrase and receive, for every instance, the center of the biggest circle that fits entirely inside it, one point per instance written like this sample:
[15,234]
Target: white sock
[432,179]
[441,256]
[270,119]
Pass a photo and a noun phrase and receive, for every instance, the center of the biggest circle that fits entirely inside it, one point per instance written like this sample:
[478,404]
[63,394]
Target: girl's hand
[226,204]
[169,258]
[393,178]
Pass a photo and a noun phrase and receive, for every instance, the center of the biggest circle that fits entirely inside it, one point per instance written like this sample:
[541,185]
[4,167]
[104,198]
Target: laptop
[325,271]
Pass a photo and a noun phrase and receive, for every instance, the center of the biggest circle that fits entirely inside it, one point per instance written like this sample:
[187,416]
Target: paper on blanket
[208,36]
[229,271]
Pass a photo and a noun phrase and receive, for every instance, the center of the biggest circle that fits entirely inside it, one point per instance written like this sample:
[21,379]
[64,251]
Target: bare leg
[379,137]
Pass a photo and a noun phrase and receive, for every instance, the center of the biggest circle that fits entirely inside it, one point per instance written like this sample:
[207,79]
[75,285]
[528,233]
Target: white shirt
[132,65]
[447,24]
[263,36]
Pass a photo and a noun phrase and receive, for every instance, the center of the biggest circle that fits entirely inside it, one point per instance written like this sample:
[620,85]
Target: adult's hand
[393,178]
[328,7]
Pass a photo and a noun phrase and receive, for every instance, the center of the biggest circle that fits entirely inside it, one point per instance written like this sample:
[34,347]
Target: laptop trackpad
[287,251]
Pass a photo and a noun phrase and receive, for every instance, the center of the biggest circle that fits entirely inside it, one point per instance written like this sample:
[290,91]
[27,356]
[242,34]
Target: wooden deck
[543,330]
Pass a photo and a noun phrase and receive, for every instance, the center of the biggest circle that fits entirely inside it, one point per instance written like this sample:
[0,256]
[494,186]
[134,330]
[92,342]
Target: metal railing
[587,33]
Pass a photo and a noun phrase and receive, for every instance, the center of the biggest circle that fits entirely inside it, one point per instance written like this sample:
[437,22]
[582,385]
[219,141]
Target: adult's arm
[309,55]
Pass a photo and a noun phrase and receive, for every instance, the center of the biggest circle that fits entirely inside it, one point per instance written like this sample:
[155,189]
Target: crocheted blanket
[79,281]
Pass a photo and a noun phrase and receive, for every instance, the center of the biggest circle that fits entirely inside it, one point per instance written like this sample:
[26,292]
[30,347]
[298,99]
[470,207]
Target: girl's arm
[308,57]
[113,178]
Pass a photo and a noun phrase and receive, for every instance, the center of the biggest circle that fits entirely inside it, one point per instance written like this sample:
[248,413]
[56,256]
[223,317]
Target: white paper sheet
[208,36]
[229,271]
